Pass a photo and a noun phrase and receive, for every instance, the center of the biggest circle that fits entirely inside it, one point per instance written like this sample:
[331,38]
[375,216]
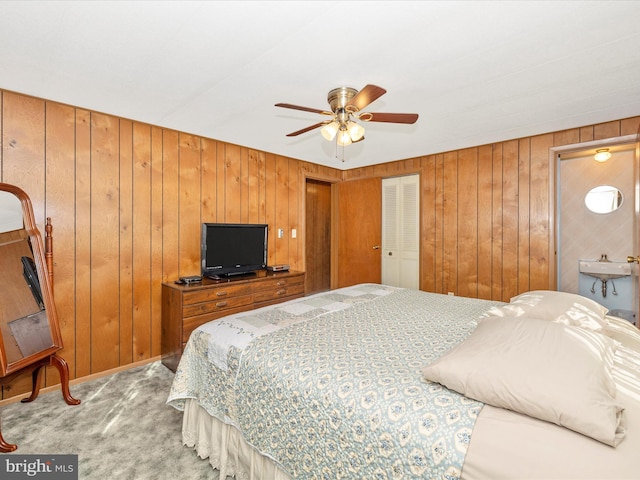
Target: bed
[373,381]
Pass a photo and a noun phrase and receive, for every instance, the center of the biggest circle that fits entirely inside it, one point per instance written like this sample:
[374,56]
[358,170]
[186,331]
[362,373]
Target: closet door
[401,231]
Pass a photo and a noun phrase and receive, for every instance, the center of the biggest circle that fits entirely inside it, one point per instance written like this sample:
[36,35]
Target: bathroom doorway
[585,232]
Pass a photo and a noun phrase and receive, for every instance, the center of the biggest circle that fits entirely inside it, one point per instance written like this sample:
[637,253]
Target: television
[229,249]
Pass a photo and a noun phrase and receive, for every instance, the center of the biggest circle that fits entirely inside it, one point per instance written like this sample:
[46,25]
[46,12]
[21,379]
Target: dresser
[186,307]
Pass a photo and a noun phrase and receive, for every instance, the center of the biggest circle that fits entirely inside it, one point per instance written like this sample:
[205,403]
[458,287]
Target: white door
[401,231]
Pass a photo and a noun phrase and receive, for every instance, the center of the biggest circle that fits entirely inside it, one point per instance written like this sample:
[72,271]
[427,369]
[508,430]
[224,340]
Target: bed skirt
[225,447]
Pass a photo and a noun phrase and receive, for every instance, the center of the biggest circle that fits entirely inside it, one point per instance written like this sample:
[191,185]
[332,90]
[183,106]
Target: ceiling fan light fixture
[329,131]
[356,131]
[602,155]
[346,114]
[343,138]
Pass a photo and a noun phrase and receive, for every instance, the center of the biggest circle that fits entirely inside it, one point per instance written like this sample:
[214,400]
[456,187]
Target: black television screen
[233,248]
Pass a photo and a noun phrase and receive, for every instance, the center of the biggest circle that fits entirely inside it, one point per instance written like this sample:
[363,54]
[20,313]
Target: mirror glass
[603,199]
[24,324]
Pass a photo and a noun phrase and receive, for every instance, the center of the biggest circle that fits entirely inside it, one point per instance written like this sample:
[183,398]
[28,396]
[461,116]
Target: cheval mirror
[29,331]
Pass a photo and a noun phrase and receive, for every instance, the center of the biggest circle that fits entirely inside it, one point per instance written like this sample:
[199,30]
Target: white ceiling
[476,72]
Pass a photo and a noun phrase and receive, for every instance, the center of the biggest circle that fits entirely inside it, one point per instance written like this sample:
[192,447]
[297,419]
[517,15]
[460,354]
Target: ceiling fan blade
[389,117]
[304,109]
[305,130]
[364,97]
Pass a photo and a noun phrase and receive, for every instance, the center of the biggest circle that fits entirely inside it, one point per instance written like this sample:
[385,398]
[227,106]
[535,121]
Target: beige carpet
[121,430]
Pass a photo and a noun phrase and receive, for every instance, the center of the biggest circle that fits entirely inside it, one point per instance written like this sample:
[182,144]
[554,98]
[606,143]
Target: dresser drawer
[219,304]
[216,293]
[273,284]
[281,292]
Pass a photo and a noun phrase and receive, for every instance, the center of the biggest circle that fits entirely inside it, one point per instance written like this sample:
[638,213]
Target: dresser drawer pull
[221,304]
[282,291]
[222,293]
[281,283]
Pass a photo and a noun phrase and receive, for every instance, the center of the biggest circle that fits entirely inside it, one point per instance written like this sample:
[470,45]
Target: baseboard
[87,378]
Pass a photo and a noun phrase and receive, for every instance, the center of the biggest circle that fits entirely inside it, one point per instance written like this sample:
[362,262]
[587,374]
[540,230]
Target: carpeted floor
[122,429]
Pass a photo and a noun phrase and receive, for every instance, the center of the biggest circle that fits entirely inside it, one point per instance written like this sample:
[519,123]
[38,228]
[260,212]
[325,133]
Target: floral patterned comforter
[330,385]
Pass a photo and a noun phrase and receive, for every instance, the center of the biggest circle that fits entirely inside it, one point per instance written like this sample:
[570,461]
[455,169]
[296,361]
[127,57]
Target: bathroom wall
[587,235]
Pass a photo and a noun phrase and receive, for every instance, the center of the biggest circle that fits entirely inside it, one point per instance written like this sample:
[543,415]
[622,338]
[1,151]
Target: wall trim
[77,381]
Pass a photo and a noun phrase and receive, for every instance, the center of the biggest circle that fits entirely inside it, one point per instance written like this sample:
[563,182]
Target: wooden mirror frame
[43,259]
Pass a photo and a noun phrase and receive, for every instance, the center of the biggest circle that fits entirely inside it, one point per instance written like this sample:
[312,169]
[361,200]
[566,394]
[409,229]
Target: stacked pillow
[561,307]
[542,355]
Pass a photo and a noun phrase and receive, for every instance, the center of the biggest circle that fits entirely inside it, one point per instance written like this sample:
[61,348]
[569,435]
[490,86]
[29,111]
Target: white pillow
[546,370]
[562,307]
[624,332]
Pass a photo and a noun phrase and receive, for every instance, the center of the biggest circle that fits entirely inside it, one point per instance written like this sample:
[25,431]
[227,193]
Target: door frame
[313,267]
[332,180]
[338,267]
[419,223]
[554,154]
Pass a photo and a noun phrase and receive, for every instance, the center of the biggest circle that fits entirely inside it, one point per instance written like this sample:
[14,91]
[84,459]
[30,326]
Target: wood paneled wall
[487,212]
[126,201]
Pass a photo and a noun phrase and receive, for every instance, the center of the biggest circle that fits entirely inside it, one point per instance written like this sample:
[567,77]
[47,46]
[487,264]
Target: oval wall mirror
[603,199]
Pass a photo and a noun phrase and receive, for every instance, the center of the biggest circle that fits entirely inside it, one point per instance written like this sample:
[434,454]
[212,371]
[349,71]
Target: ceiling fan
[346,104]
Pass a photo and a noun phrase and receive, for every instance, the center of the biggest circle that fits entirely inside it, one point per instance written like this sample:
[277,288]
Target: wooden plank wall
[487,212]
[126,201]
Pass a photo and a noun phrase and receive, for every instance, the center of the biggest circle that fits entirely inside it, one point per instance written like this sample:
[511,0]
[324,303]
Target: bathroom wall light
[602,155]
